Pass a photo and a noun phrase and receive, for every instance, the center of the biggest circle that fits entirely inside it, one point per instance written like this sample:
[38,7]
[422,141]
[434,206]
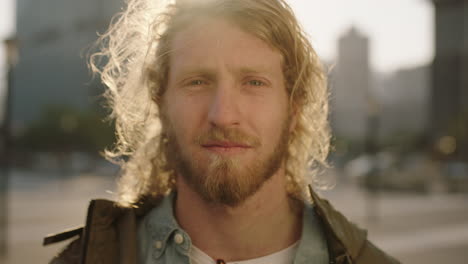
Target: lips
[226,147]
[224,144]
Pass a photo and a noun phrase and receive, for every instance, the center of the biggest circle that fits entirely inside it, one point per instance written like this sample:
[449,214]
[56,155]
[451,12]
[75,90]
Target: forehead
[218,43]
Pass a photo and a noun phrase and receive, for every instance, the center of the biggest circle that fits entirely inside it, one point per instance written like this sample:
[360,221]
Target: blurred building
[404,96]
[350,87]
[449,113]
[53,36]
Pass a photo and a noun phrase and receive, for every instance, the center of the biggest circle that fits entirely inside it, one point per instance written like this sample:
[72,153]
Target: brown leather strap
[127,238]
[51,239]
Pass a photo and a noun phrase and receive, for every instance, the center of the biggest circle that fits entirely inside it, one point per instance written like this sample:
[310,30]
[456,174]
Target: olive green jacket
[110,236]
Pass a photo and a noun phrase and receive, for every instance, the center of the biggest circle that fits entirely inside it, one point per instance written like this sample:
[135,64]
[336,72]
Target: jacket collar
[345,238]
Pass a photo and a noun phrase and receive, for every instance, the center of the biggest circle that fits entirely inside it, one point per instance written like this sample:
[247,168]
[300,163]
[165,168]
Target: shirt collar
[162,225]
[313,246]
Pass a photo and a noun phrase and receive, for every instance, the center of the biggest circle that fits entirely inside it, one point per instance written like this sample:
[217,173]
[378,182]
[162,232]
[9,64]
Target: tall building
[449,115]
[350,87]
[53,36]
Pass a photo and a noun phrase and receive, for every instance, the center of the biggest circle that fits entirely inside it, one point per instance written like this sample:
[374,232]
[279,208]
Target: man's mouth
[225,147]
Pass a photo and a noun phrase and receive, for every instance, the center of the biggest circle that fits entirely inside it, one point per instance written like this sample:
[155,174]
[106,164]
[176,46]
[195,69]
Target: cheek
[269,121]
[184,115]
[274,111]
[280,119]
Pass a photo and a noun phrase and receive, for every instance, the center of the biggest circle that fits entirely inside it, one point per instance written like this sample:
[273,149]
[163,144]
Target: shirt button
[158,244]
[178,238]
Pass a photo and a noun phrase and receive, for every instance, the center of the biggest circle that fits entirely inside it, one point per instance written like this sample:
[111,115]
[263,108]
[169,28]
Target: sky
[400,31]
[7,22]
[7,28]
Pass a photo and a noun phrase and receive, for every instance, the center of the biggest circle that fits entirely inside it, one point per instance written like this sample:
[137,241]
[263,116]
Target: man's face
[225,111]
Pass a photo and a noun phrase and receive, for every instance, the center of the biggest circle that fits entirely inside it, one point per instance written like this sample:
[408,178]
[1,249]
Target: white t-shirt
[284,256]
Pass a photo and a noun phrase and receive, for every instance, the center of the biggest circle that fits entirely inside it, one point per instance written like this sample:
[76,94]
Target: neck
[245,231]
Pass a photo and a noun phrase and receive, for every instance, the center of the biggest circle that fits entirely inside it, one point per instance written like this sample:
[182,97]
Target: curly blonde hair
[133,62]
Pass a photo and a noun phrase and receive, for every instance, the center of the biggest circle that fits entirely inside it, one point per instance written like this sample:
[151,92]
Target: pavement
[415,228]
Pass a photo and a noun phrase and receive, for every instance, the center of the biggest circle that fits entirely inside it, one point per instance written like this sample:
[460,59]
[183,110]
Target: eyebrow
[211,73]
[256,69]
[207,72]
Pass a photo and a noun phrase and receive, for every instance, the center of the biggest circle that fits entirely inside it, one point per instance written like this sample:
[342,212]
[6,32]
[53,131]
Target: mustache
[233,135]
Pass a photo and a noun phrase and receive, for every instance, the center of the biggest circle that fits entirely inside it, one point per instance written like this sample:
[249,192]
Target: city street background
[398,88]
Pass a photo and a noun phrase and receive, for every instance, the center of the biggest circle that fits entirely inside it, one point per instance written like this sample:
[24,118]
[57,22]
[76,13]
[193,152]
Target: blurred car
[388,171]
[413,172]
[456,176]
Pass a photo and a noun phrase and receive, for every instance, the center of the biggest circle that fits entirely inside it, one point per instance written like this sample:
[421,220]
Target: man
[221,107]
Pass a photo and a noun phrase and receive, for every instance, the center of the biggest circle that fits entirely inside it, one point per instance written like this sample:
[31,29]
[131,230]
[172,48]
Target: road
[416,228]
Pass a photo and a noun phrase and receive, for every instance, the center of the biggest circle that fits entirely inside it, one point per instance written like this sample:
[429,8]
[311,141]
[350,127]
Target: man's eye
[196,82]
[256,83]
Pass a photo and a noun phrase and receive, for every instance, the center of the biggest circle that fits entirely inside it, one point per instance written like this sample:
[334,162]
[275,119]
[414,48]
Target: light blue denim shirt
[162,241]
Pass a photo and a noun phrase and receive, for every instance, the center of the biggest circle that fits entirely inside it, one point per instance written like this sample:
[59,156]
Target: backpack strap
[64,235]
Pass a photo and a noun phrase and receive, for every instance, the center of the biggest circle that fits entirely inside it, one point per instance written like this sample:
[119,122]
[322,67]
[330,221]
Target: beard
[225,180]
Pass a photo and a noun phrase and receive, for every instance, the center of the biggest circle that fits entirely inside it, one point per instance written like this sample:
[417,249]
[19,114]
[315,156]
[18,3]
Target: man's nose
[224,106]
